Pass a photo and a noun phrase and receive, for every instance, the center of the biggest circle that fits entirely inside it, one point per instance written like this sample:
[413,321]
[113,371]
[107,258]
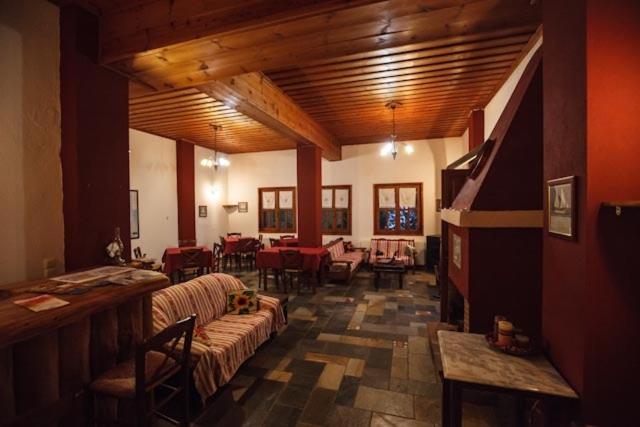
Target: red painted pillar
[309,195]
[476,128]
[94,153]
[185,172]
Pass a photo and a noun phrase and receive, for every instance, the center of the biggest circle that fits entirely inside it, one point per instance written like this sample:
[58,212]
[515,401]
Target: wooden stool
[136,380]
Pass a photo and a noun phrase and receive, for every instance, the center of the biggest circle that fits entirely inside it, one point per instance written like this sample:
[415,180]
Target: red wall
[613,244]
[564,262]
[185,172]
[309,165]
[459,276]
[591,297]
[95,144]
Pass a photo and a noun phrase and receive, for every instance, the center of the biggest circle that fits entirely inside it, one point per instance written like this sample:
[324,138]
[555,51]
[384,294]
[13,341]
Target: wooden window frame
[397,231]
[278,229]
[334,231]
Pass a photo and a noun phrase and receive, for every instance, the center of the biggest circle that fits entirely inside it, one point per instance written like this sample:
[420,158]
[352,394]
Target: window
[277,209]
[336,209]
[397,209]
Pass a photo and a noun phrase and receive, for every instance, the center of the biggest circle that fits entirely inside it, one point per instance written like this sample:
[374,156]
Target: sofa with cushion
[222,342]
[388,248]
[342,264]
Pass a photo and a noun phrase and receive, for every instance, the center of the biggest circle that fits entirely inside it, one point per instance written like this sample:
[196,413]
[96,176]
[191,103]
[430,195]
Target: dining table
[313,260]
[288,242]
[172,258]
[231,245]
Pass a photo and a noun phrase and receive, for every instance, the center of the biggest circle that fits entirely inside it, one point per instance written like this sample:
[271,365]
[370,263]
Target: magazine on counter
[133,277]
[92,275]
[41,303]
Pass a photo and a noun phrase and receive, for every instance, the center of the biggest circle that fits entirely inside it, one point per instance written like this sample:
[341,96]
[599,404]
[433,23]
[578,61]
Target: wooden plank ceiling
[340,61]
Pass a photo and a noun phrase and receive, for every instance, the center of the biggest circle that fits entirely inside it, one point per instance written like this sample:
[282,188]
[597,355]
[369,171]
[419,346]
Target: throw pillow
[242,301]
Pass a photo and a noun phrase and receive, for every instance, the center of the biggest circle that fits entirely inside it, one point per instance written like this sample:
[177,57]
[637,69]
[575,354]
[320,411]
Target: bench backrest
[205,295]
[390,246]
[335,248]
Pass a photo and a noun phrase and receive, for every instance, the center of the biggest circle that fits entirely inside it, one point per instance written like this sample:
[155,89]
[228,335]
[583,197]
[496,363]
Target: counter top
[468,358]
[18,323]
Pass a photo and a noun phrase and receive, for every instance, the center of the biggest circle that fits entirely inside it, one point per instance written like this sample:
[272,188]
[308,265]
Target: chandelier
[215,161]
[391,147]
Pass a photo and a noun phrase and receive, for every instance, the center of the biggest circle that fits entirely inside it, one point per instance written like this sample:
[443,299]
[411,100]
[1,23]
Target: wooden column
[95,144]
[476,129]
[185,171]
[309,195]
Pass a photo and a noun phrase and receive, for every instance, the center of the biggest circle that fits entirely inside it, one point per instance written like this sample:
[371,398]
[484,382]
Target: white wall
[361,167]
[247,173]
[31,190]
[211,191]
[152,171]
[494,108]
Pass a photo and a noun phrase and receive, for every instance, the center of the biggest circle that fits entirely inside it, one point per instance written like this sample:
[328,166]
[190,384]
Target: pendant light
[215,161]
[391,147]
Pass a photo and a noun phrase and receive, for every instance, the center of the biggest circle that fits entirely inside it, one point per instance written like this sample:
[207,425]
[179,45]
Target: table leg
[451,404]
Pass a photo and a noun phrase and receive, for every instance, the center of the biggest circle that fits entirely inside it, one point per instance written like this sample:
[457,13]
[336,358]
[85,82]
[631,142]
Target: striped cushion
[388,247]
[336,250]
[354,257]
[223,342]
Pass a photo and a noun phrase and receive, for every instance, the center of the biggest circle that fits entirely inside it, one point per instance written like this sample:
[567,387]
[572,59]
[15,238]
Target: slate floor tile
[295,395]
[386,402]
[347,391]
[385,420]
[343,416]
[319,406]
[282,416]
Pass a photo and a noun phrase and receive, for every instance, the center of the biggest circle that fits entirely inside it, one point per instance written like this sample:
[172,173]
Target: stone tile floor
[350,356]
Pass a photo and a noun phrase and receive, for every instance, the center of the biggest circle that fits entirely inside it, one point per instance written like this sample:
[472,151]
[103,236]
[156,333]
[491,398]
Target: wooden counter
[47,358]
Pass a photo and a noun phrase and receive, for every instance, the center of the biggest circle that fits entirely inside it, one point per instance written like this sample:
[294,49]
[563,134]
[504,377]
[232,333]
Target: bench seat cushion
[354,257]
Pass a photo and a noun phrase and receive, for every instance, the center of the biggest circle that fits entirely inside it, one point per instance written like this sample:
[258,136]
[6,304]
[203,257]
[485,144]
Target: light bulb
[223,161]
[408,149]
[203,162]
[386,149]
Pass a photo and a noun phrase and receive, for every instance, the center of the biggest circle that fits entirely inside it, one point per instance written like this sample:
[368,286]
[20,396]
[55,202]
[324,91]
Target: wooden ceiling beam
[255,96]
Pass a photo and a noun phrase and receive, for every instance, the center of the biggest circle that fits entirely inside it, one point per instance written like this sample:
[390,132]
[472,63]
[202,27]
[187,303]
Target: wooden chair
[191,264]
[292,265]
[260,238]
[217,257]
[246,250]
[287,236]
[274,242]
[156,361]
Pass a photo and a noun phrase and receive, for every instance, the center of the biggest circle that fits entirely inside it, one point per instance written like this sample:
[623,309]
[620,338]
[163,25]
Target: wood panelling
[295,38]
[187,114]
[437,83]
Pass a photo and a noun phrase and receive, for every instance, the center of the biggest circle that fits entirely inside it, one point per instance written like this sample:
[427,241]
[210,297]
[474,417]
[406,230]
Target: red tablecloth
[288,242]
[231,245]
[172,258]
[312,258]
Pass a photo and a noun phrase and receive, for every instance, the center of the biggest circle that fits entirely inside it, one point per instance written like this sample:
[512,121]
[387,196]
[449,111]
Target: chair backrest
[288,236]
[260,238]
[175,360]
[234,234]
[274,242]
[246,244]
[217,257]
[186,243]
[192,257]
[137,252]
[291,259]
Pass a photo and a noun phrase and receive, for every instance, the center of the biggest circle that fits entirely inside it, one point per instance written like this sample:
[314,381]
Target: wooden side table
[468,362]
[395,267]
[284,301]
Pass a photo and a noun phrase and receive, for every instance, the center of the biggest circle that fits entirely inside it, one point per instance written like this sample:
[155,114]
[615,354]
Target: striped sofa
[389,247]
[221,342]
[342,265]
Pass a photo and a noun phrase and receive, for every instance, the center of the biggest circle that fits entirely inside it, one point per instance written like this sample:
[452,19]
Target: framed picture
[202,211]
[561,205]
[243,207]
[134,214]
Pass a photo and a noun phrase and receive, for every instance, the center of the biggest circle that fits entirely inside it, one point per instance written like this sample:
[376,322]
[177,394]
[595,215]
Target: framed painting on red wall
[561,207]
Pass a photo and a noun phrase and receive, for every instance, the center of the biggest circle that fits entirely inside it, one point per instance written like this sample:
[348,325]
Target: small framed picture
[561,205]
[243,207]
[202,211]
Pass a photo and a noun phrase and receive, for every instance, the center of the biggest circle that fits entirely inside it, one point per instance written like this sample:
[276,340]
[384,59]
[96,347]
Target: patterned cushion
[243,301]
[354,257]
[222,342]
